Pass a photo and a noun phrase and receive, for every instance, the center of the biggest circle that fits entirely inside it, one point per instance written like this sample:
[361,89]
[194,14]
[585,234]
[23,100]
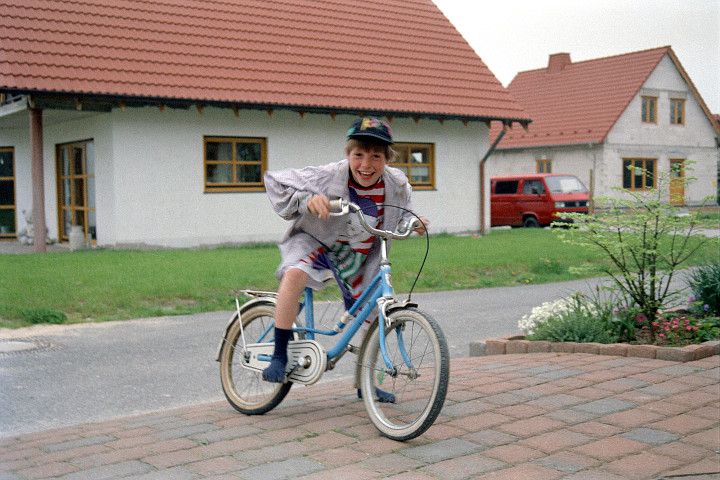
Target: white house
[597,117]
[153,125]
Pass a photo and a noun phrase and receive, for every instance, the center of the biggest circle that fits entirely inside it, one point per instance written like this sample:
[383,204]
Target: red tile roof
[580,102]
[390,56]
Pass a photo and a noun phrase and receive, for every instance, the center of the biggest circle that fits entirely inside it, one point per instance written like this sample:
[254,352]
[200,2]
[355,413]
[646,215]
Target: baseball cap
[372,128]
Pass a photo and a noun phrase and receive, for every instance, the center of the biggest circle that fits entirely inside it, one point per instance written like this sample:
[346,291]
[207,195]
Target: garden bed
[517,344]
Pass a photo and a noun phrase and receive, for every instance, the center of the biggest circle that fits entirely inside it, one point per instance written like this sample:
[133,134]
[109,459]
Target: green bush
[572,327]
[569,329]
[704,283]
[44,315]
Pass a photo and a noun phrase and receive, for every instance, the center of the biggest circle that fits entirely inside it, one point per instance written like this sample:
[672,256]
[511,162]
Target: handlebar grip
[336,206]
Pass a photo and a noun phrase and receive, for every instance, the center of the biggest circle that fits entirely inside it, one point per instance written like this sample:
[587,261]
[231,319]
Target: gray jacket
[289,191]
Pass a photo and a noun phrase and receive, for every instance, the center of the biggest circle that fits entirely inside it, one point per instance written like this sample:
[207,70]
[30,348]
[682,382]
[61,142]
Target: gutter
[490,151]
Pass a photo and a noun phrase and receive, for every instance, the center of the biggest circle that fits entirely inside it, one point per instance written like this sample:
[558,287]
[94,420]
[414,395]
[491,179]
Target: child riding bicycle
[316,242]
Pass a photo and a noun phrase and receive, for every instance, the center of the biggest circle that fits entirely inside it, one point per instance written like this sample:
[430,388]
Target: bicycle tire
[418,399]
[245,389]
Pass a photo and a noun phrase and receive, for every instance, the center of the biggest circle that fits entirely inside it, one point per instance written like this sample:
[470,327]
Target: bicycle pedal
[288,374]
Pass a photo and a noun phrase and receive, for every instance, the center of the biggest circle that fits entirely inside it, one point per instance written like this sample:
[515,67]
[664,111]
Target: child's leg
[291,286]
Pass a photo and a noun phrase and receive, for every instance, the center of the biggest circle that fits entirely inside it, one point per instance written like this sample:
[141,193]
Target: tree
[645,238]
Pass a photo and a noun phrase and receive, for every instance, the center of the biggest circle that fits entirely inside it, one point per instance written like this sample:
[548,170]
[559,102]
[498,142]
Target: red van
[535,200]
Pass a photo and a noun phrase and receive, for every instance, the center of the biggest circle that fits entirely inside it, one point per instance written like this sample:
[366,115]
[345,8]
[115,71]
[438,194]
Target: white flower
[549,310]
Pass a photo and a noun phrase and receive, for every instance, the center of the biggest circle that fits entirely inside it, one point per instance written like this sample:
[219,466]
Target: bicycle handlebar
[341,207]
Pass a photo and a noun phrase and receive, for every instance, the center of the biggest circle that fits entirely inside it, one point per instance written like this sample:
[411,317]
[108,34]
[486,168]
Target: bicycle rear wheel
[245,389]
[415,338]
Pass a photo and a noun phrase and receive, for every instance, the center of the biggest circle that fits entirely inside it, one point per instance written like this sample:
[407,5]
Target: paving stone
[291,468]
[561,374]
[175,473]
[443,450]
[116,470]
[186,431]
[605,406]
[648,435]
[466,467]
[81,442]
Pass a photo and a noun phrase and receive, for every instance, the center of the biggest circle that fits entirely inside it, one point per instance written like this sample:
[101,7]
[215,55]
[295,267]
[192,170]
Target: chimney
[557,62]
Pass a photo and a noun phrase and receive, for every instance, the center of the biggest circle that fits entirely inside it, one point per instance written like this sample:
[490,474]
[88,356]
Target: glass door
[76,189]
[7,194]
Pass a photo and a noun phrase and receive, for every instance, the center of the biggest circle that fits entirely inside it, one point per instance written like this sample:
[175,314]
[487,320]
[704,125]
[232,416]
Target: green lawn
[102,285]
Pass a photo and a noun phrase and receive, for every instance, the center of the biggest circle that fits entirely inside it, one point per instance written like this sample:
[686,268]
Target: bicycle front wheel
[418,378]
[245,389]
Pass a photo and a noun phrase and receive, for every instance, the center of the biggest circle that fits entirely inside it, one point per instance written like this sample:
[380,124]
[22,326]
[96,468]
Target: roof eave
[62,100]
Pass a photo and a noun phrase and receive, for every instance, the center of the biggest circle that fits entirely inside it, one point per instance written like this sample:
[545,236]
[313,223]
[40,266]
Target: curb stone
[510,344]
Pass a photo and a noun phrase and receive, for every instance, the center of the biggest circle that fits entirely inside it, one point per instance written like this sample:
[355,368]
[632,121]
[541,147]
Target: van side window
[506,187]
[534,187]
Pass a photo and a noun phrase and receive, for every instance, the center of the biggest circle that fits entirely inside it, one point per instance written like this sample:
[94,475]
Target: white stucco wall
[693,142]
[576,160]
[150,179]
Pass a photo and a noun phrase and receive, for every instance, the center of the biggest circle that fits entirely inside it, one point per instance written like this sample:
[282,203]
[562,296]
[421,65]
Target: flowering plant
[669,331]
[553,310]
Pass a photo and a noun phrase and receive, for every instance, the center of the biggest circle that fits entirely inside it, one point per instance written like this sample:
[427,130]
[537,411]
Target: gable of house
[579,103]
[396,57]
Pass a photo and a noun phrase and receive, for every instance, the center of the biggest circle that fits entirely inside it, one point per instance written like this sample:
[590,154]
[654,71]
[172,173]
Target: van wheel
[530,222]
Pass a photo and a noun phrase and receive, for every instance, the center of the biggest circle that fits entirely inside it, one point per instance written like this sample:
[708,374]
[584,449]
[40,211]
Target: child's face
[367,165]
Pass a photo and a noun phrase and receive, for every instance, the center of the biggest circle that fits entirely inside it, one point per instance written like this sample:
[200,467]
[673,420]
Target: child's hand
[319,205]
[421,230]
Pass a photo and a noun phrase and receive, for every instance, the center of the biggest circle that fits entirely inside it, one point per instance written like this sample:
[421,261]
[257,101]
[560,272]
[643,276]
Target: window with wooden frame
[639,173]
[234,164]
[8,218]
[544,166]
[677,111]
[649,109]
[417,161]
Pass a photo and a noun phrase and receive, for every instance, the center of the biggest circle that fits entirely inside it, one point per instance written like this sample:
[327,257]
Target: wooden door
[677,182]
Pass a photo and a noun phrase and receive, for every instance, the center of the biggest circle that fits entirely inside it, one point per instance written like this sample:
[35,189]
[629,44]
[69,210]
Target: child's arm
[290,190]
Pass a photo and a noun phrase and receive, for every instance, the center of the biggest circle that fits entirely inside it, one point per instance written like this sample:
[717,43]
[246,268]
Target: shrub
[574,319]
[574,326]
[704,282]
[645,238]
[44,315]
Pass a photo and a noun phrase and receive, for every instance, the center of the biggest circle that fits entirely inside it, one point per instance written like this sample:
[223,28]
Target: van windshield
[565,184]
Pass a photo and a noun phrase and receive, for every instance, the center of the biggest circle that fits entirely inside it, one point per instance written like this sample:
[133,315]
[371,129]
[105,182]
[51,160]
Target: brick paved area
[570,416]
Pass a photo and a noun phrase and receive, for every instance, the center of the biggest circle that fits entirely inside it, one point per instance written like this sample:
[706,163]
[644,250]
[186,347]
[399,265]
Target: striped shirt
[346,257]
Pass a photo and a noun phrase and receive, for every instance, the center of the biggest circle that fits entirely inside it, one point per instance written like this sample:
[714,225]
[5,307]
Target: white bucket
[77,238]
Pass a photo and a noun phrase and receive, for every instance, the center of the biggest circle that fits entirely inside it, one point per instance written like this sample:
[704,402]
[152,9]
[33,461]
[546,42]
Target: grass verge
[102,285]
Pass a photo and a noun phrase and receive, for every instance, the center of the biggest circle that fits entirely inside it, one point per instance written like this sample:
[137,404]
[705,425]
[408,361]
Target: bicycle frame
[379,293]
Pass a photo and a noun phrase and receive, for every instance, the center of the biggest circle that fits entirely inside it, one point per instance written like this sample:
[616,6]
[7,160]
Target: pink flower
[667,328]
[662,335]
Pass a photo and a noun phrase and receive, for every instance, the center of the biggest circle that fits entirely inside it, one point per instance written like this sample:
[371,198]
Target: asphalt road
[55,376]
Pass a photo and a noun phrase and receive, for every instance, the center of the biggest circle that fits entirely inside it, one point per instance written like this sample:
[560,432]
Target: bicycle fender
[391,307]
[271,300]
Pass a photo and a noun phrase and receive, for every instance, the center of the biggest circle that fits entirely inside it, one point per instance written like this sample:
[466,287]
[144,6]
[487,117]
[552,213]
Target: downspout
[38,180]
[484,230]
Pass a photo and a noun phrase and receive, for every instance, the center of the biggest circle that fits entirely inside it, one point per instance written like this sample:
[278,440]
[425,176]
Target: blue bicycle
[403,365]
